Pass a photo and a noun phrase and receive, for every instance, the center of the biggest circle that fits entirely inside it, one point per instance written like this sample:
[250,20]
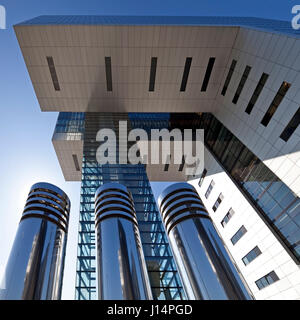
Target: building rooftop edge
[146,20]
[265,24]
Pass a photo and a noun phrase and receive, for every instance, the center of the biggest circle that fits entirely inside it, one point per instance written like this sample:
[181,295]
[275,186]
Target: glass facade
[267,280]
[209,189]
[218,202]
[254,253]
[164,279]
[276,203]
[237,236]
[69,126]
[278,206]
[227,217]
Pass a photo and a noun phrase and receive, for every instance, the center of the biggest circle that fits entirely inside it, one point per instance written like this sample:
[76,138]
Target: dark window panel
[229,76]
[262,81]
[227,217]
[241,84]
[76,163]
[208,73]
[53,73]
[182,164]
[291,127]
[275,103]
[152,73]
[186,72]
[108,73]
[238,235]
[202,177]
[250,256]
[213,132]
[266,280]
[222,142]
[209,189]
[218,202]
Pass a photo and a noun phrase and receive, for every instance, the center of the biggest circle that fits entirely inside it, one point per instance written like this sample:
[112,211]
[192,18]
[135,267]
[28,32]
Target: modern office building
[237,78]
[80,129]
[35,266]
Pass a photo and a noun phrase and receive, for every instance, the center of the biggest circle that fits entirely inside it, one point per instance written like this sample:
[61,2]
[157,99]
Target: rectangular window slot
[108,73]
[238,235]
[53,73]
[229,76]
[208,73]
[262,81]
[275,103]
[241,84]
[291,127]
[266,280]
[167,163]
[182,164]
[202,177]
[186,72]
[218,202]
[152,73]
[76,163]
[227,217]
[250,256]
[209,189]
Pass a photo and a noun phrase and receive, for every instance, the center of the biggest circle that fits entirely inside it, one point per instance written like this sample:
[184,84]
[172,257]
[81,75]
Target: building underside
[236,78]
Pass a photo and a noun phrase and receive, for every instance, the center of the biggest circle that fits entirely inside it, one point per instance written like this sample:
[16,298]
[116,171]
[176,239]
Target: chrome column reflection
[122,273]
[36,263]
[204,265]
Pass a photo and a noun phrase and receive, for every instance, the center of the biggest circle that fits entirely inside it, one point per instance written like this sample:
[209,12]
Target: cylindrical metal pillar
[36,263]
[204,265]
[122,273]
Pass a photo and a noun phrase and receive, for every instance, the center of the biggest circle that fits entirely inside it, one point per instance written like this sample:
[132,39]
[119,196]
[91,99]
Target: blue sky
[27,154]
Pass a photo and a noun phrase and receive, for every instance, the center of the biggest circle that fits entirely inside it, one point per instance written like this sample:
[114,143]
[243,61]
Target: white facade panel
[273,257]
[265,141]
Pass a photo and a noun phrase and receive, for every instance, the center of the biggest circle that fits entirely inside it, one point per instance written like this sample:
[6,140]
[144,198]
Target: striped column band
[113,200]
[48,202]
[178,203]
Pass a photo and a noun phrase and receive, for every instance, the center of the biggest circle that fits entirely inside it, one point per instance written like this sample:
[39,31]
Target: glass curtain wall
[161,267]
[278,205]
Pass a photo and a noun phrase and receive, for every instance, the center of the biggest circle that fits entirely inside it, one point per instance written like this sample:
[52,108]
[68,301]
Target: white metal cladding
[79,53]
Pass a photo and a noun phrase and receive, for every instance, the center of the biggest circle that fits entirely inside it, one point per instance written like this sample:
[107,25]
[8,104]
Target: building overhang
[69,153]
[66,57]
[69,71]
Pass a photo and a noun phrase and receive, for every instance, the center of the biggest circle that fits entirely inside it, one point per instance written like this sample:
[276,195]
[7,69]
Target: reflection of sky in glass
[27,154]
